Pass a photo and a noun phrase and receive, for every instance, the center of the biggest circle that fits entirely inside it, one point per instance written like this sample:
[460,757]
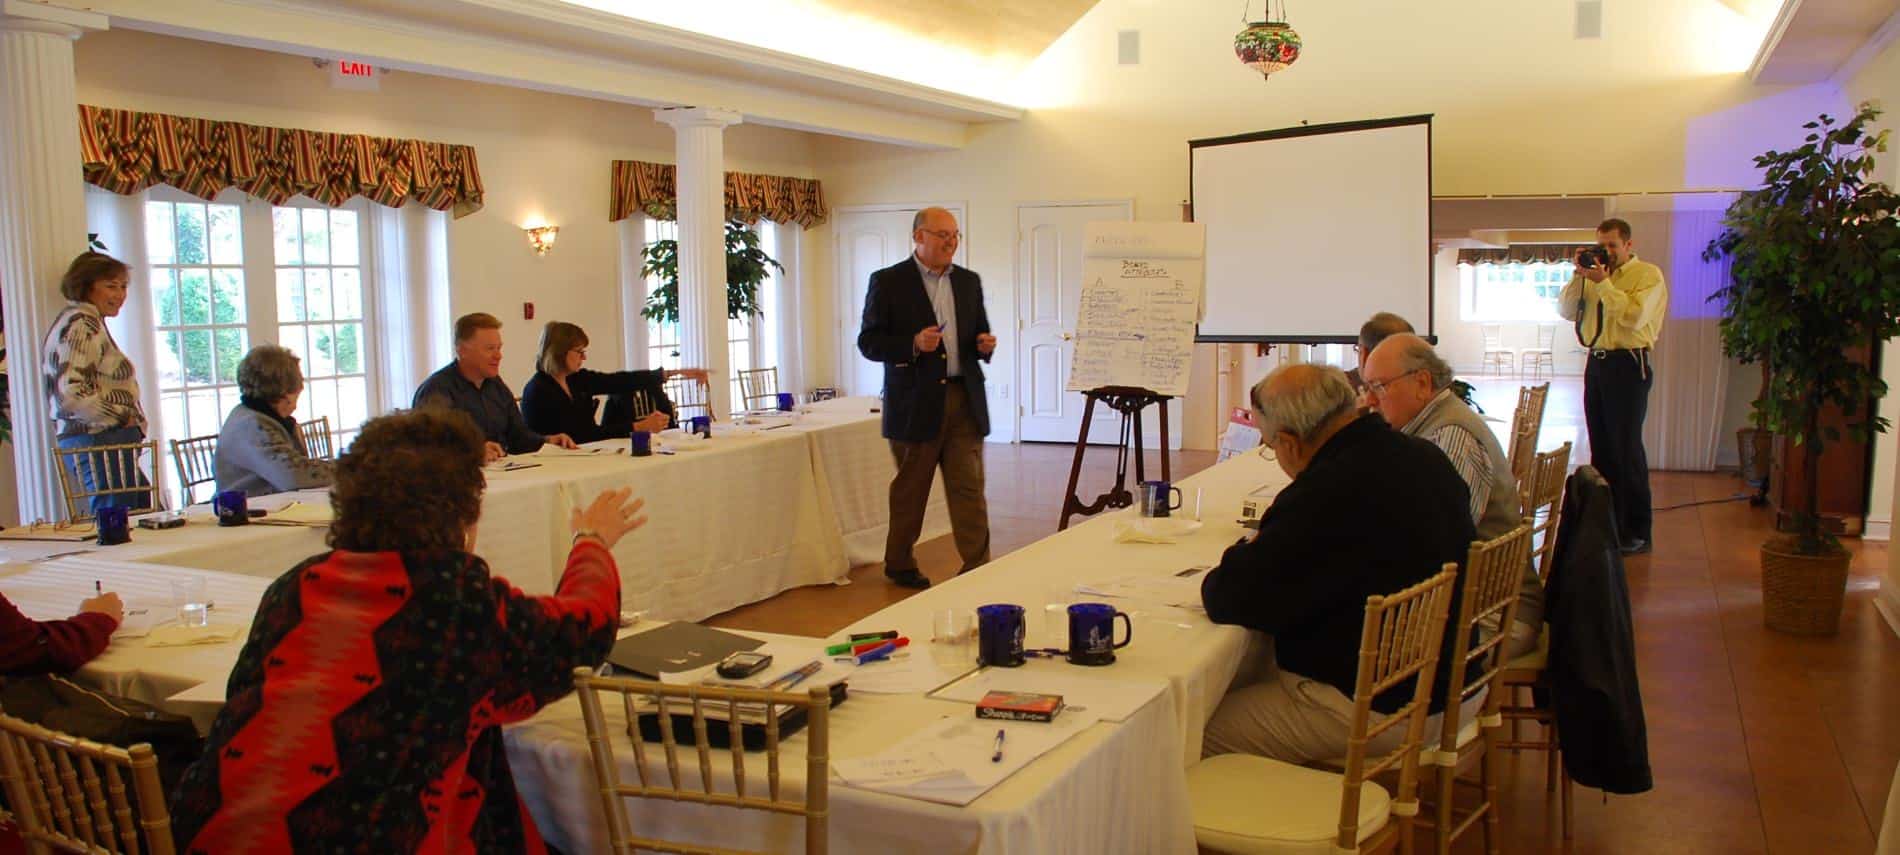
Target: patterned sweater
[89,381]
[259,455]
[364,713]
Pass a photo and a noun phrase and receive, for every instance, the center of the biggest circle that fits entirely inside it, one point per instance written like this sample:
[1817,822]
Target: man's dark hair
[1381,326]
[1621,227]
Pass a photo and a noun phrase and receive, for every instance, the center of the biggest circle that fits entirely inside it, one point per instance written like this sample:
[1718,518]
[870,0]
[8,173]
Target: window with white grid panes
[663,339]
[1513,292]
[200,307]
[320,317]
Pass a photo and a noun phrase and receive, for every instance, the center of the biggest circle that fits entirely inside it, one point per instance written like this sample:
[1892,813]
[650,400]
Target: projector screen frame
[1431,269]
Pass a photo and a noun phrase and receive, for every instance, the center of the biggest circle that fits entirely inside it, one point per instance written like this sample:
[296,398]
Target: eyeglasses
[1266,453]
[1378,387]
[944,236]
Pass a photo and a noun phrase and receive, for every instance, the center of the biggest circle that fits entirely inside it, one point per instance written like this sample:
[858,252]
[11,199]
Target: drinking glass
[188,595]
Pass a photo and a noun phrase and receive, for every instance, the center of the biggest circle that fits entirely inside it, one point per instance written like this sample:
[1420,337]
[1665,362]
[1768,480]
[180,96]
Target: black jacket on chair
[1592,667]
[896,308]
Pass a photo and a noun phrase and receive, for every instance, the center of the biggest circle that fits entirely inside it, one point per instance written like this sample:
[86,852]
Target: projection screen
[1310,230]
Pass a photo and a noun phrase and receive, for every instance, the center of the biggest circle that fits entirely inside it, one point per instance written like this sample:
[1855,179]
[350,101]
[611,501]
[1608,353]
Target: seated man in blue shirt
[473,384]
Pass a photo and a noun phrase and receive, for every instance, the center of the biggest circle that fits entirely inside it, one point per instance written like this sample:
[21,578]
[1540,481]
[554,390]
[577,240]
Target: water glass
[952,626]
[188,595]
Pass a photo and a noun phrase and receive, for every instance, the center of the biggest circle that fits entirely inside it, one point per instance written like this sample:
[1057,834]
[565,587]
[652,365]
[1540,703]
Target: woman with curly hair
[364,713]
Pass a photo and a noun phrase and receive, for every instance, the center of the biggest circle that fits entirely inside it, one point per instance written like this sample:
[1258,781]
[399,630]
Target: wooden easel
[1129,401]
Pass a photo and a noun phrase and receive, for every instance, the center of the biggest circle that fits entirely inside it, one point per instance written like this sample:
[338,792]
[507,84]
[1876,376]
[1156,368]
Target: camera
[1593,257]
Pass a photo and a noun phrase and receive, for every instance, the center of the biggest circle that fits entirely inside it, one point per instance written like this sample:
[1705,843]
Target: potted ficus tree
[746,269]
[1814,259]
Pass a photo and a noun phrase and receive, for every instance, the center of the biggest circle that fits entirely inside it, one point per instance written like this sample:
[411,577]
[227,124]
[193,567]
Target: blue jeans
[100,472]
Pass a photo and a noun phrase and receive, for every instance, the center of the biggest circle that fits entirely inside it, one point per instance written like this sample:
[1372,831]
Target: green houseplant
[746,269]
[1814,259]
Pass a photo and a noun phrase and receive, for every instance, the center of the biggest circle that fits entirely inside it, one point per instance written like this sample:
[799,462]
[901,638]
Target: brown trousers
[959,450]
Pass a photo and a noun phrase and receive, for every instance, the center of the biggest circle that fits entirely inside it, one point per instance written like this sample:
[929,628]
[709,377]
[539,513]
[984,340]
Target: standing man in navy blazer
[924,319]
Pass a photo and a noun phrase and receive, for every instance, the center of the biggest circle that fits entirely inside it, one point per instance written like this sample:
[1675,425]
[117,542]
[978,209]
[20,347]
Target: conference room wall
[1679,112]
[544,158]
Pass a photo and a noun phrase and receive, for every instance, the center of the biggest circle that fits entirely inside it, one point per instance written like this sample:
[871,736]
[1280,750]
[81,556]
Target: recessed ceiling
[1014,30]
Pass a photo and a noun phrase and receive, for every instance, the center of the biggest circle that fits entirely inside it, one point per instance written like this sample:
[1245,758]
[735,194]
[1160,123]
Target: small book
[1019,706]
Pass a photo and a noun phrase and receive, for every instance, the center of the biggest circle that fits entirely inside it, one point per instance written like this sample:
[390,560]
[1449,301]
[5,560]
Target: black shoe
[1636,546]
[908,579]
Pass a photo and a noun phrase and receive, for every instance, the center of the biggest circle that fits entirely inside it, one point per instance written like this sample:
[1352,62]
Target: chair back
[197,460]
[1526,425]
[688,394]
[1399,641]
[316,438]
[1543,496]
[70,793]
[758,386]
[1488,589]
[1493,336]
[669,700]
[1546,337]
[114,470]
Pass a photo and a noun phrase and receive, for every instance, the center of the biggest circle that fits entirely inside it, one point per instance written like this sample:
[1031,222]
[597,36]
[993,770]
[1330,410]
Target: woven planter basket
[1802,594]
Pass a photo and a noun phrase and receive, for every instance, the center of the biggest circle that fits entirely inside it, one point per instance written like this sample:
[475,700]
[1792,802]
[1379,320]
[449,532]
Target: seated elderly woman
[364,713]
[259,449]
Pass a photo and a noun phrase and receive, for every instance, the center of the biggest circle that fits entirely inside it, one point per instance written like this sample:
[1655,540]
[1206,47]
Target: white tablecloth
[735,521]
[52,590]
[1113,788]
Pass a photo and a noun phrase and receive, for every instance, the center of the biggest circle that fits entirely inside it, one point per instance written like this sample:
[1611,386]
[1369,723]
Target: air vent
[1128,47]
[1589,19]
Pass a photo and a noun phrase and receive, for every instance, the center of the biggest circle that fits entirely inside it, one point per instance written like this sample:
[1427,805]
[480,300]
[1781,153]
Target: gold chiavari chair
[1244,803]
[1494,573]
[114,470]
[731,704]
[70,793]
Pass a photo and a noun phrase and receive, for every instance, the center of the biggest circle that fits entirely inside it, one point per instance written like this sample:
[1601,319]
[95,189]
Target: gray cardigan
[256,455]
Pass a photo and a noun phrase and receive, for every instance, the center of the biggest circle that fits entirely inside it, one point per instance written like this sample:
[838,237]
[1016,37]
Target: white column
[42,218]
[701,155]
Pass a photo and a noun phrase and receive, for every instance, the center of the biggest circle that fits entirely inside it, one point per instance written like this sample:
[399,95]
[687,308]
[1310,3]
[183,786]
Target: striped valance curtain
[125,151]
[1523,253]
[652,189]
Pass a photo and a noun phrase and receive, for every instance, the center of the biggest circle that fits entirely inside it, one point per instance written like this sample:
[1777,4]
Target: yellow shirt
[1631,303]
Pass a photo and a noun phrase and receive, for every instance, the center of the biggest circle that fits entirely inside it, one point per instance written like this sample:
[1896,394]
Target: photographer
[1617,303]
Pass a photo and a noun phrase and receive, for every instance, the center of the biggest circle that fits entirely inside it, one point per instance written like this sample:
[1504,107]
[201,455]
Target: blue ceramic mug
[786,402]
[114,524]
[231,507]
[1159,499]
[642,444]
[1092,633]
[702,425]
[999,635]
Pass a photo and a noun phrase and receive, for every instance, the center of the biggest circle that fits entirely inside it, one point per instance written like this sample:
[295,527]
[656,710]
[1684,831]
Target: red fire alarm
[527,311]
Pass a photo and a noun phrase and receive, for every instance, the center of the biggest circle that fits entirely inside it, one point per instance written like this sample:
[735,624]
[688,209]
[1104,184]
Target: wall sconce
[542,239]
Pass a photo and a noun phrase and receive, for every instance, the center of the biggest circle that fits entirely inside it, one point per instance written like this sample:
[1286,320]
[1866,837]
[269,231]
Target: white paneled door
[869,239]
[1049,275]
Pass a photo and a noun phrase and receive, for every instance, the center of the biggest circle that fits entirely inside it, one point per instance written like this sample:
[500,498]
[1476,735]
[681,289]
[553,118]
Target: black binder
[677,646]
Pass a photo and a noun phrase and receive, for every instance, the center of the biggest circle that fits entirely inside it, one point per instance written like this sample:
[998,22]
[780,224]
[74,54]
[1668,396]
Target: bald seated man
[1410,386]
[1370,512]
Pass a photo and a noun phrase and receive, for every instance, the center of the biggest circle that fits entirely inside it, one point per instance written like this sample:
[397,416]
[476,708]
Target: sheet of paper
[950,760]
[207,692]
[302,513]
[1163,590]
[786,658]
[912,674]
[1104,698]
[141,617]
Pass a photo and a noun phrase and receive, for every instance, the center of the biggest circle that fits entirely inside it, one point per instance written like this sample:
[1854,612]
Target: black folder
[677,646]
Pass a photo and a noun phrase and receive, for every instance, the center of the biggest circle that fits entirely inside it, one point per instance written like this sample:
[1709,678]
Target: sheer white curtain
[411,278]
[788,311]
[633,292]
[1686,401]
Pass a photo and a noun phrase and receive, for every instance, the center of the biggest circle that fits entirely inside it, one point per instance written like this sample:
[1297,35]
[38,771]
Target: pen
[998,756]
[795,677]
[98,589]
[882,651]
[855,647]
[873,636]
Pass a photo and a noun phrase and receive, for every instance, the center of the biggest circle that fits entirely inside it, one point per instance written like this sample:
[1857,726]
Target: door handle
[1068,337]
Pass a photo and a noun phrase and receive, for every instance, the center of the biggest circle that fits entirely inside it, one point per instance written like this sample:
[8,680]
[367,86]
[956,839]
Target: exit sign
[353,74]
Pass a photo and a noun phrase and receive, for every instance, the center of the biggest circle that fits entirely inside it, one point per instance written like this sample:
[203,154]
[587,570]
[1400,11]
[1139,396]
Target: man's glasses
[1378,387]
[944,236]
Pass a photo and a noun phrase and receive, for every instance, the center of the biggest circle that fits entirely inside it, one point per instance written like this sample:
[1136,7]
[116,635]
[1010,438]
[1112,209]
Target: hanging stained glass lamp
[1269,45]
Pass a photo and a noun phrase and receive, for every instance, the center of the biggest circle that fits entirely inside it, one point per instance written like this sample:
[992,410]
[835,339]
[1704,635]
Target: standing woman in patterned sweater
[93,389]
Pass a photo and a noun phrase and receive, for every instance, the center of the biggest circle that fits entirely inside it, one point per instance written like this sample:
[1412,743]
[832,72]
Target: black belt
[1640,354]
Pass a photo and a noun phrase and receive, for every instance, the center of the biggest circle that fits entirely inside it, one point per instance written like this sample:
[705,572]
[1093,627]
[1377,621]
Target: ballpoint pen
[998,756]
[794,678]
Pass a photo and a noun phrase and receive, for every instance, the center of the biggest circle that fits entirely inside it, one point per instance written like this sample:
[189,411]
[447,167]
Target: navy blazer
[896,308]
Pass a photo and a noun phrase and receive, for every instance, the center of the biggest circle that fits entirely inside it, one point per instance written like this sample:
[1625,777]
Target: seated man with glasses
[1410,386]
[1370,511]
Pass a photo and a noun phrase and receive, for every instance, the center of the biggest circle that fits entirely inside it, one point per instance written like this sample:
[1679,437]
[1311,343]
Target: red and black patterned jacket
[364,712]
